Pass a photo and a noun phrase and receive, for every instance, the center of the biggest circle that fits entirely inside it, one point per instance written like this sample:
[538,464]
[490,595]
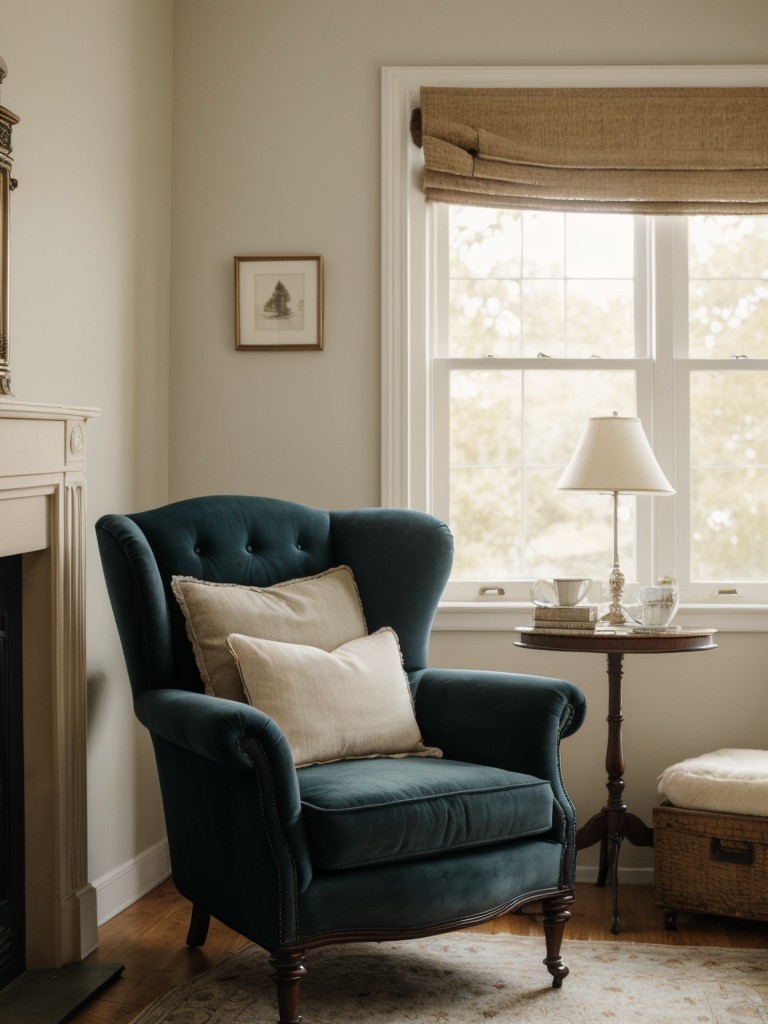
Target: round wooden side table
[614,822]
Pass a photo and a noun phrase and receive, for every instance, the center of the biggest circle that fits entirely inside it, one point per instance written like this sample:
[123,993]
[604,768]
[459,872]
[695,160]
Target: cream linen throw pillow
[348,703]
[321,611]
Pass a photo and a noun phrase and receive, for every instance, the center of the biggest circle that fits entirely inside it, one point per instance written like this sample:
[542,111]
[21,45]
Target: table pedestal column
[612,823]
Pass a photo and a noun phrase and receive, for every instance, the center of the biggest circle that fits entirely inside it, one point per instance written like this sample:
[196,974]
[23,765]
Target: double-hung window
[505,330]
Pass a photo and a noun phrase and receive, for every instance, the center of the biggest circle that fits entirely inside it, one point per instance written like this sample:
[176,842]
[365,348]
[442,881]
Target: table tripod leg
[615,841]
[602,873]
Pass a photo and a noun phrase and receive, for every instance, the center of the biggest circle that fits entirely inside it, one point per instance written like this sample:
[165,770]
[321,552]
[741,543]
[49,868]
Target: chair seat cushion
[369,812]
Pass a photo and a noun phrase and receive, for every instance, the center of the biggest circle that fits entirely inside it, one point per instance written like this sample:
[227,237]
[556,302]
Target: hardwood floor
[148,938]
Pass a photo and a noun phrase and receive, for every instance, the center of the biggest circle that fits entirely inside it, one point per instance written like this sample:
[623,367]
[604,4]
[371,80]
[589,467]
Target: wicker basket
[711,862]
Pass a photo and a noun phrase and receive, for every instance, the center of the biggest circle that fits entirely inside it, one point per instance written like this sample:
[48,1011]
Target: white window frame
[406,449]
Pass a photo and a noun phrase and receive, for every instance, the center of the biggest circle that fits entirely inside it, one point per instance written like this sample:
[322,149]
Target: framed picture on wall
[278,303]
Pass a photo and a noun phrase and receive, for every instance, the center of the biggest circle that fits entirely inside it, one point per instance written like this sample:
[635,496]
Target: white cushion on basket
[730,780]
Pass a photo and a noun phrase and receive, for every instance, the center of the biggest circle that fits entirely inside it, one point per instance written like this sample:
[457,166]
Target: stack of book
[581,619]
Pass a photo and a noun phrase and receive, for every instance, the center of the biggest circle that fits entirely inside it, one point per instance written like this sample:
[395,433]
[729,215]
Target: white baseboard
[121,887]
[628,876]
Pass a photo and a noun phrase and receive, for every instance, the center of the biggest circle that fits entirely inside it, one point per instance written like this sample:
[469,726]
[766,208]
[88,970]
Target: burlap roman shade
[627,150]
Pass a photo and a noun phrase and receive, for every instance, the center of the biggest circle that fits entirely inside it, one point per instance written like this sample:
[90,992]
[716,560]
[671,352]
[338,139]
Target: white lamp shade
[613,454]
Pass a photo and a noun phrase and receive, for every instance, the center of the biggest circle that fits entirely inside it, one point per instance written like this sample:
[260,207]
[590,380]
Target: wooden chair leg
[288,971]
[556,916]
[198,926]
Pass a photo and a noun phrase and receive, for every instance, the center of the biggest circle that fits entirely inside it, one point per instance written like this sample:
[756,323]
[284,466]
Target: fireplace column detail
[42,518]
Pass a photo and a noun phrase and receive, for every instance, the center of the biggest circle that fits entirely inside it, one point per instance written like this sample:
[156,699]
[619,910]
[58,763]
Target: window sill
[507,615]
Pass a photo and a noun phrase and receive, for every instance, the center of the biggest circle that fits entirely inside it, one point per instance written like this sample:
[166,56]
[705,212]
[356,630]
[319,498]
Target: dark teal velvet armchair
[259,844]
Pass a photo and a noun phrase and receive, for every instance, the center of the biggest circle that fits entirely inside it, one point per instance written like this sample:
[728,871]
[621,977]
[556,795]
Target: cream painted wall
[90,295]
[276,151]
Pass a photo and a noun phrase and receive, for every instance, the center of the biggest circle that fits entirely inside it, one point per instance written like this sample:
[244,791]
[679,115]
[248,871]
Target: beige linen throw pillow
[348,703]
[319,611]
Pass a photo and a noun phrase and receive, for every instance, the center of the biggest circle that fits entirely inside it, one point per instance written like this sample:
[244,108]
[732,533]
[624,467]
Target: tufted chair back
[258,541]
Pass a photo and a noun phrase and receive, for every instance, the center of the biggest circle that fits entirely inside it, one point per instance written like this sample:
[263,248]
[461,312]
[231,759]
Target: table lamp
[614,456]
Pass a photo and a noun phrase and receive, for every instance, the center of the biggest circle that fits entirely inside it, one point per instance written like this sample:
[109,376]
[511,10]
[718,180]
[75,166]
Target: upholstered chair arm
[220,730]
[501,719]
[217,755]
[498,718]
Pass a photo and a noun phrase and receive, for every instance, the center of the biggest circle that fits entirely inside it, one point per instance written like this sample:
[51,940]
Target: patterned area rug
[468,978]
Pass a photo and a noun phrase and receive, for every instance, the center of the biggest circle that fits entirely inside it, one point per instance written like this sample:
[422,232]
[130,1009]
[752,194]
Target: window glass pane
[600,319]
[486,426]
[486,520]
[543,319]
[511,435]
[728,287]
[543,244]
[599,245]
[484,243]
[484,318]
[729,476]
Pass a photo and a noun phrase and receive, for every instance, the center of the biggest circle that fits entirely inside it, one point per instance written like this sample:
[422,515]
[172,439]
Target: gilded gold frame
[7,185]
[5,188]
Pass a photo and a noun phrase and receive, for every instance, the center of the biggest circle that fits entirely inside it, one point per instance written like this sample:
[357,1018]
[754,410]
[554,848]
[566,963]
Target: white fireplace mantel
[42,518]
